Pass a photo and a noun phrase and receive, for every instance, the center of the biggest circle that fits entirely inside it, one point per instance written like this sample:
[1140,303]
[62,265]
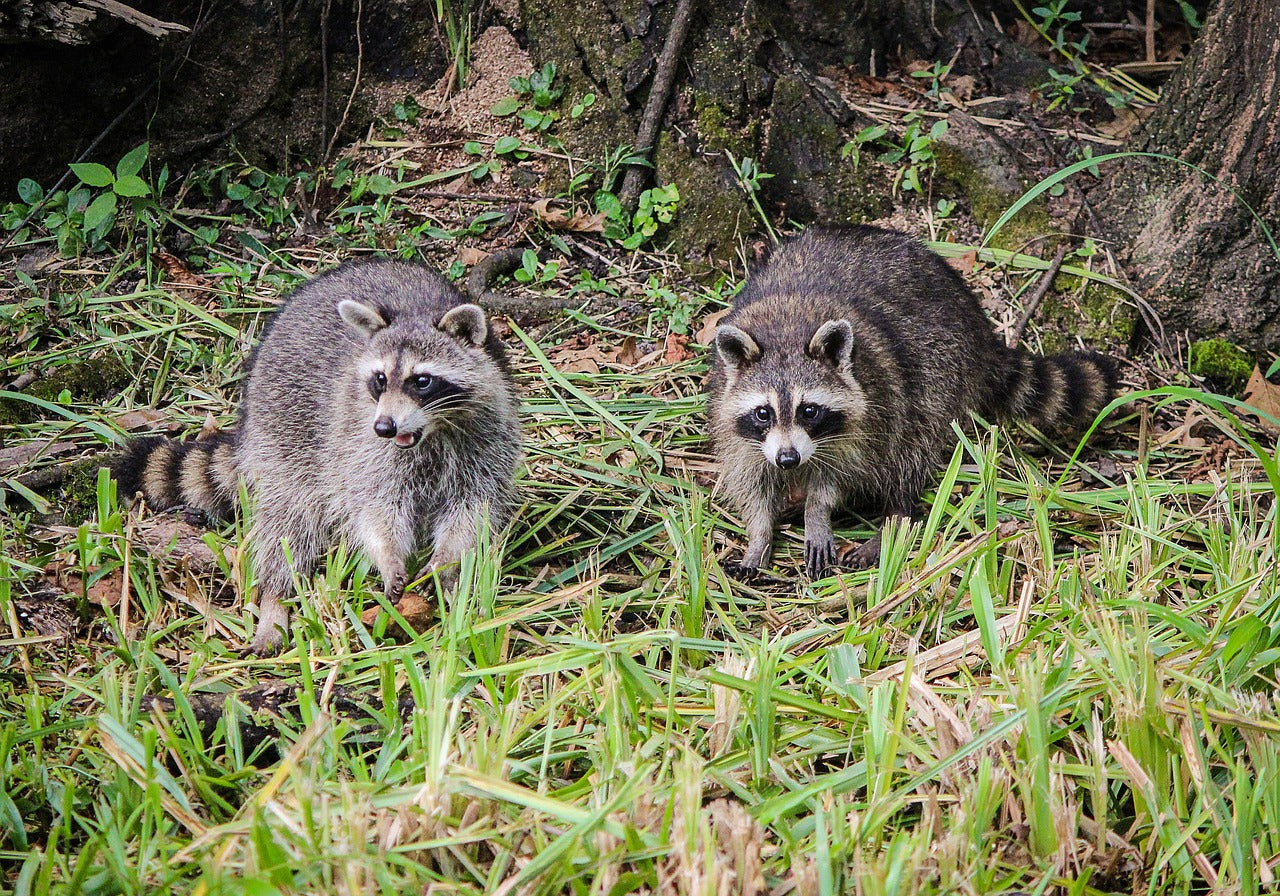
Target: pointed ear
[833,344]
[735,347]
[364,319]
[466,323]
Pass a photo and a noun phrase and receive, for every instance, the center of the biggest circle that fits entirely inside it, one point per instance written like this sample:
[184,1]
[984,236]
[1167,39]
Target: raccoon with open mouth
[378,408]
[838,372]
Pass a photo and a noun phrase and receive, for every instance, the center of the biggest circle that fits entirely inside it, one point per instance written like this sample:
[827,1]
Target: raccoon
[838,372]
[378,408]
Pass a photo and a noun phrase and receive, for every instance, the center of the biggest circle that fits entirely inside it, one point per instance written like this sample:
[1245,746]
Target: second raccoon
[838,373]
[377,409]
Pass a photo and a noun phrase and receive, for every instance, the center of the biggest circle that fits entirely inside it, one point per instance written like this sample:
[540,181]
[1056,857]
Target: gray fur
[888,335]
[306,443]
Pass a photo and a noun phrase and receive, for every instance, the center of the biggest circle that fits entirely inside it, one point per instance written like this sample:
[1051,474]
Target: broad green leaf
[132,162]
[100,213]
[93,174]
[609,205]
[504,145]
[505,106]
[29,191]
[131,185]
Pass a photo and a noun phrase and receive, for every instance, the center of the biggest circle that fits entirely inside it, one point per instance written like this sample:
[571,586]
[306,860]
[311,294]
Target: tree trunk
[1193,249]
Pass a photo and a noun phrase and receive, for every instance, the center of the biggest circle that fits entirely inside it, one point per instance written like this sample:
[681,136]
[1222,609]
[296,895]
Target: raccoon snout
[788,458]
[385,427]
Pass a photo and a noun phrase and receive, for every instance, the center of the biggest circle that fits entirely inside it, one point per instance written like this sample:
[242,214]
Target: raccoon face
[793,405]
[419,376]
[789,426]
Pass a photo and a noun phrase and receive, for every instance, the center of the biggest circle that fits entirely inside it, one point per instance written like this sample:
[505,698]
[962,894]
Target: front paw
[864,556]
[819,557]
[395,588]
[741,571]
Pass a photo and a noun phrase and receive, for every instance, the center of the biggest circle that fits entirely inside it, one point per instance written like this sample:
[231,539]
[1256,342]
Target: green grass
[1062,679]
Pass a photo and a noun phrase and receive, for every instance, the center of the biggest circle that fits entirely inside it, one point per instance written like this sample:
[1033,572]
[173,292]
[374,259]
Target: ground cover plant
[1061,679]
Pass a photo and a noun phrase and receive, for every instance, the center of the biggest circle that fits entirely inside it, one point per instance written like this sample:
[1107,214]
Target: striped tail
[1054,392]
[200,474]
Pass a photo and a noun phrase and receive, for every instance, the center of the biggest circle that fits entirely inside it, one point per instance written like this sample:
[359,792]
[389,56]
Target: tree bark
[1193,248]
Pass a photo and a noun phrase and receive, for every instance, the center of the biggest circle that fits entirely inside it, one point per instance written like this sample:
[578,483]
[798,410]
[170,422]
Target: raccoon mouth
[407,439]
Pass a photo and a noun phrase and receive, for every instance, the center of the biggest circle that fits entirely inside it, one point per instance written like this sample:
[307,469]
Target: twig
[24,380]
[656,105]
[1042,288]
[1151,30]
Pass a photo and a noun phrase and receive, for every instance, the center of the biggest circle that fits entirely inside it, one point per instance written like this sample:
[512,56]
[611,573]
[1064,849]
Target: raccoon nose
[385,427]
[788,458]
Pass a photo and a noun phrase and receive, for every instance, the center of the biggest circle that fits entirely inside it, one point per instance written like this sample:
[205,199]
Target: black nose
[788,458]
[385,427]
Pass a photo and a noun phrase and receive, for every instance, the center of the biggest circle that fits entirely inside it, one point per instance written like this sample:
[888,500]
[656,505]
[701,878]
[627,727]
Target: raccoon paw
[863,556]
[741,572]
[819,557]
[395,589]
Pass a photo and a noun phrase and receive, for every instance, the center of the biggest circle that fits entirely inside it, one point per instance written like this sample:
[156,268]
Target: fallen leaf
[416,610]
[176,271]
[676,348]
[1262,394]
[208,429]
[708,330]
[964,264]
[629,352]
[558,219]
[139,418]
[471,256]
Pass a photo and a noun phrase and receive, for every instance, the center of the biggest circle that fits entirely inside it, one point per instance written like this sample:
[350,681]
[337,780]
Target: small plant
[750,178]
[913,154]
[457,36]
[936,75]
[1055,19]
[78,219]
[534,272]
[534,99]
[657,206]
[666,305]
[406,110]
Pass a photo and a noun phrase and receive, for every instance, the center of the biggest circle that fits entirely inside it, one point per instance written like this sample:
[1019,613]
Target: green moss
[713,209]
[958,173]
[76,497]
[92,380]
[1226,367]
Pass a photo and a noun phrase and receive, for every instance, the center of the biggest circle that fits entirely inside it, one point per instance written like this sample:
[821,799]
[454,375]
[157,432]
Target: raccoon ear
[465,323]
[833,343]
[735,347]
[364,319]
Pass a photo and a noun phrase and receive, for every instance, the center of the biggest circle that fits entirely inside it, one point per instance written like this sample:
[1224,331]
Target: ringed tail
[200,474]
[1052,391]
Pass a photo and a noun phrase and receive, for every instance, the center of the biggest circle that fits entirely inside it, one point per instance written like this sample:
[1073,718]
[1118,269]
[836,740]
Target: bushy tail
[1053,392]
[200,474]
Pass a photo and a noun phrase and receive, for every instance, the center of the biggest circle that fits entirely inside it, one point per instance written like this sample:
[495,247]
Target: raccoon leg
[274,576]
[819,542]
[387,541]
[454,534]
[759,513]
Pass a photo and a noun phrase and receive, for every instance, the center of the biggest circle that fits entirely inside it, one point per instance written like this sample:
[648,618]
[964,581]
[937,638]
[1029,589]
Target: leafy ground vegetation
[1063,678]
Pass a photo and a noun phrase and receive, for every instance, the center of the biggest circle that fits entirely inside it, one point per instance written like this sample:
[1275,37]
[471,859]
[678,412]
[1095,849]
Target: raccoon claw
[395,589]
[741,572]
[819,558]
[863,556]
